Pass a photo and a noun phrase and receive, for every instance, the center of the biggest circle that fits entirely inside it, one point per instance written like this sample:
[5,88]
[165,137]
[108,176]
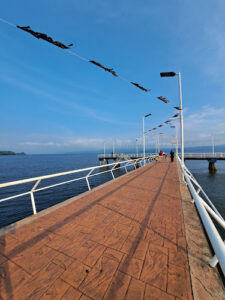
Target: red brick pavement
[123,241]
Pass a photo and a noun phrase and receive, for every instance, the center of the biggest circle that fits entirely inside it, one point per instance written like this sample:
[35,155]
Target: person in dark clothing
[171,155]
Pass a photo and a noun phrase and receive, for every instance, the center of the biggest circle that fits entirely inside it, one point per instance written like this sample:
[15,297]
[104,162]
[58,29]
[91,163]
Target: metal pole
[143,128]
[181,120]
[104,149]
[137,147]
[113,147]
[158,144]
[176,142]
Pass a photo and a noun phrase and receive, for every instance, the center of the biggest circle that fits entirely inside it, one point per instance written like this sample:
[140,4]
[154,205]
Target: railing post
[112,174]
[88,180]
[33,203]
[214,261]
[88,183]
[32,196]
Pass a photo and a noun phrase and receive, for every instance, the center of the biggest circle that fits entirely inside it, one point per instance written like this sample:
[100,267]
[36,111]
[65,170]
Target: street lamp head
[168,74]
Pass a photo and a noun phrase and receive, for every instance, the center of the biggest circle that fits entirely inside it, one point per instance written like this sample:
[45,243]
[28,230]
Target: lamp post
[113,148]
[172,74]
[160,134]
[143,133]
[156,142]
[137,147]
[176,141]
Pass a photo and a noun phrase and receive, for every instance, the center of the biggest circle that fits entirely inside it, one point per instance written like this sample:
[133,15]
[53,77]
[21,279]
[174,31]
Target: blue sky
[53,102]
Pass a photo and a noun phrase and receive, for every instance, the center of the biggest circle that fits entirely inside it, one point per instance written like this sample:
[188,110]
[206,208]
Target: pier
[116,157]
[130,238]
[210,157]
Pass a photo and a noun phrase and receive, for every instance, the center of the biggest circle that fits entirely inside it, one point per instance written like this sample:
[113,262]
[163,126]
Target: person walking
[171,155]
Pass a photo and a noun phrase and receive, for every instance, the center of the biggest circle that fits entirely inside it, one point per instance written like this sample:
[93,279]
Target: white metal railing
[117,165]
[206,212]
[124,155]
[202,155]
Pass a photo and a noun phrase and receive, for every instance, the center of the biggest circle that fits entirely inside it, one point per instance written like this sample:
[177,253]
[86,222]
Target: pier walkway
[124,240]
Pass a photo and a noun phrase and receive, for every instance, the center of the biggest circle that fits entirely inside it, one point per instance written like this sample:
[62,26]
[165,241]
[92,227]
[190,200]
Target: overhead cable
[47,38]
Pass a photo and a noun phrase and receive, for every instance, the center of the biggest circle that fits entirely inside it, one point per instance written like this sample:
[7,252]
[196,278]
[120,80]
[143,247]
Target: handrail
[90,170]
[206,213]
[116,155]
[200,189]
[205,154]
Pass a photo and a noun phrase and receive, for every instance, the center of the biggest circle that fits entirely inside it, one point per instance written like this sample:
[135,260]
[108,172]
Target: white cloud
[199,127]
[69,144]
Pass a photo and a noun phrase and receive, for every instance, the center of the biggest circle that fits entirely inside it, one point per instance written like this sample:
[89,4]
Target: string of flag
[167,122]
[45,37]
[67,48]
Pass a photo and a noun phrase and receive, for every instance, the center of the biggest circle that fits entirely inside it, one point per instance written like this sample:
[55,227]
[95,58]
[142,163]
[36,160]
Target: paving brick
[118,287]
[63,261]
[56,290]
[71,294]
[84,297]
[177,285]
[33,259]
[136,248]
[37,285]
[12,278]
[115,242]
[136,290]
[155,267]
[178,257]
[98,280]
[131,266]
[153,293]
[2,259]
[89,252]
[75,273]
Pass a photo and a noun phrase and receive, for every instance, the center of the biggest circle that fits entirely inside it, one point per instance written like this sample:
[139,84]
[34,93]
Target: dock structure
[116,157]
[123,240]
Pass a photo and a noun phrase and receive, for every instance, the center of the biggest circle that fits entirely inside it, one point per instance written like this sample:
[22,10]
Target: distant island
[11,153]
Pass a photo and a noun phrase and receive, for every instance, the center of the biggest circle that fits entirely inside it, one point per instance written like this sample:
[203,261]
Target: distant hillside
[11,153]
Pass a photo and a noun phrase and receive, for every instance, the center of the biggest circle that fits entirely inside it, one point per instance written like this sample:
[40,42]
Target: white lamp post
[137,147]
[172,74]
[143,133]
[156,142]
